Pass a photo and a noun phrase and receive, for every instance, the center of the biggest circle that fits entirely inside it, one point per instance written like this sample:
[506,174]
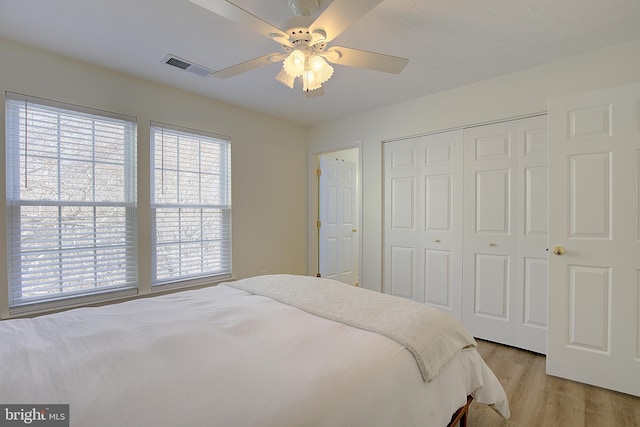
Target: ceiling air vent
[188,66]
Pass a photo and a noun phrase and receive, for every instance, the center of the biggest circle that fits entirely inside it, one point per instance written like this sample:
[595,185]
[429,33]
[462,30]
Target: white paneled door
[594,269]
[440,201]
[490,238]
[423,220]
[466,226]
[532,256]
[338,220]
[401,230]
[505,232]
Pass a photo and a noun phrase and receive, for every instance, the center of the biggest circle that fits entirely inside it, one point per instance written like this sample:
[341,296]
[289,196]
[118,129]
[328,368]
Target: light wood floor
[537,399]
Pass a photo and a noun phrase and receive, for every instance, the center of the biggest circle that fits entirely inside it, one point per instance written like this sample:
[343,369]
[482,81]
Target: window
[190,204]
[71,190]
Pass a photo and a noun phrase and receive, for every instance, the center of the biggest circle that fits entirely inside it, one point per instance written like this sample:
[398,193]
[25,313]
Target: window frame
[224,206]
[15,141]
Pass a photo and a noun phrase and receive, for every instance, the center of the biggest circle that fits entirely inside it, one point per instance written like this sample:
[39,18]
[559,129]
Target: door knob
[558,250]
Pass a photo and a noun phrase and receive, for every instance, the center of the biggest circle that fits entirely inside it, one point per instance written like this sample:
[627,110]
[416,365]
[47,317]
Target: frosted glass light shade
[294,63]
[285,78]
[310,81]
[323,71]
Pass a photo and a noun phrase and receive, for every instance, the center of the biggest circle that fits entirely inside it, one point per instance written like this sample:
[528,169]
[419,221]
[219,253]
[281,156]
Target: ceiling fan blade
[248,65]
[364,59]
[314,93]
[237,14]
[340,14]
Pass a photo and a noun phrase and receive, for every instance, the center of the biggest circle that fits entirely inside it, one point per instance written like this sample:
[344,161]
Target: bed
[275,350]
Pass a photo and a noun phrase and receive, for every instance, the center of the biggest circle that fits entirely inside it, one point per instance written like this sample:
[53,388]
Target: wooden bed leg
[463,419]
[460,416]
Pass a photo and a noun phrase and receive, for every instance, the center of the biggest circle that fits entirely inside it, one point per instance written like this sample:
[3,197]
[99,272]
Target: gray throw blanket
[432,336]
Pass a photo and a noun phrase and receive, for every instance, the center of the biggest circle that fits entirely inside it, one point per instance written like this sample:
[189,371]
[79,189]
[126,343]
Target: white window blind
[71,194]
[190,204]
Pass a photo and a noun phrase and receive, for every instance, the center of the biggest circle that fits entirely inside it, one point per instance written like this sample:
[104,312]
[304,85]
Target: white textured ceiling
[448,43]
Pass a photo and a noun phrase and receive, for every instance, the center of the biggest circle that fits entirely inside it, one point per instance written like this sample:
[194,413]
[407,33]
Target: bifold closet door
[423,220]
[532,256]
[490,239]
[440,206]
[505,232]
[401,230]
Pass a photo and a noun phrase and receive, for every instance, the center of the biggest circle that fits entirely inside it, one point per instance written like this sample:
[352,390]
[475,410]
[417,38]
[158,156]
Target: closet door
[401,231]
[490,239]
[440,207]
[594,230]
[506,229]
[423,220]
[532,256]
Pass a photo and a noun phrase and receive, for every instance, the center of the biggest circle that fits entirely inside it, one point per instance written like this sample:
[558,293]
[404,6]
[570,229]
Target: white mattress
[223,357]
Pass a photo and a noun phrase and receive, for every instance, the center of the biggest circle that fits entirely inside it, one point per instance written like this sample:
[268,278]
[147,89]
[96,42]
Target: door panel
[490,239]
[403,200]
[535,295]
[506,229]
[491,291]
[590,197]
[593,285]
[536,210]
[589,309]
[402,271]
[400,212]
[493,145]
[423,220]
[437,278]
[440,203]
[532,237]
[493,205]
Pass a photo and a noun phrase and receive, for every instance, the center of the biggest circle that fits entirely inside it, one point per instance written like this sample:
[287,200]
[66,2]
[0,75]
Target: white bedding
[432,336]
[223,357]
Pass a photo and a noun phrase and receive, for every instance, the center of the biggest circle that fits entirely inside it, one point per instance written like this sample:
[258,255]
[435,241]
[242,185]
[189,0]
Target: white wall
[513,95]
[269,156]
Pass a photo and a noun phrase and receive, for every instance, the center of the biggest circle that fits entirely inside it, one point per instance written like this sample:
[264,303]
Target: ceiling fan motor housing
[297,28]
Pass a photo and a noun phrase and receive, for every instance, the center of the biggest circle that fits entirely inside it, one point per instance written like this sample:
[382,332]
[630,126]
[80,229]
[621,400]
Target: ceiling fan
[305,40]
